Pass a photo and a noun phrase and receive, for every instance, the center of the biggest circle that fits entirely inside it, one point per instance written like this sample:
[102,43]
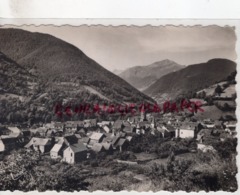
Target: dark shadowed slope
[13,77]
[56,61]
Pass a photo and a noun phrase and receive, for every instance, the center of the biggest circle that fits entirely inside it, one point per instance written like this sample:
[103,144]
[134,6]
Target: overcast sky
[124,47]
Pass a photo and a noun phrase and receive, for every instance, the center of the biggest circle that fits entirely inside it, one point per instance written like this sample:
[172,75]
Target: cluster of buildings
[74,141]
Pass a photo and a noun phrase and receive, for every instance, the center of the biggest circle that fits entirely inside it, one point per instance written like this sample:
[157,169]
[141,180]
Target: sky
[124,47]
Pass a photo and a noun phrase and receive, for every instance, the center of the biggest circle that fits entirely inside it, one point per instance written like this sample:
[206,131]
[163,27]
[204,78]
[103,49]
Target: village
[76,141]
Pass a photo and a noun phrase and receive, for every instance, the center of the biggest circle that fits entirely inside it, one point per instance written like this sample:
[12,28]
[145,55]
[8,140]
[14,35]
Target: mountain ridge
[190,79]
[55,60]
[143,76]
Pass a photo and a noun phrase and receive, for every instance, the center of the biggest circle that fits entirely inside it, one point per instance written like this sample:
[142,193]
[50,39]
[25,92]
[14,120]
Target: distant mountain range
[141,77]
[190,79]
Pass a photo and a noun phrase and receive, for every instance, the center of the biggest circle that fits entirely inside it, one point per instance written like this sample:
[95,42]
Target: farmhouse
[75,153]
[42,145]
[96,138]
[57,149]
[187,130]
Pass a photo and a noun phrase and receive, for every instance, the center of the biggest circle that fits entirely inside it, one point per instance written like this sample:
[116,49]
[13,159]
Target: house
[166,130]
[49,125]
[207,136]
[218,125]
[42,145]
[133,120]
[200,138]
[118,125]
[230,125]
[78,136]
[79,124]
[14,132]
[56,151]
[26,133]
[108,147]
[121,134]
[58,133]
[114,141]
[129,138]
[126,123]
[50,133]
[58,125]
[139,130]
[58,148]
[224,135]
[75,153]
[41,131]
[122,144]
[97,147]
[4,130]
[90,123]
[128,129]
[2,149]
[96,138]
[170,131]
[103,123]
[144,124]
[70,126]
[85,140]
[13,139]
[210,126]
[10,143]
[187,130]
[107,129]
[100,130]
[70,139]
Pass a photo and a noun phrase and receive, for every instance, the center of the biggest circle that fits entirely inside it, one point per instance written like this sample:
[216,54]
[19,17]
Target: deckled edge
[139,23]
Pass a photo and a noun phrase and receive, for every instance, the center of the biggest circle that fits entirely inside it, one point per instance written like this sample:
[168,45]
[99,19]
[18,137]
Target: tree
[202,95]
[209,100]
[218,90]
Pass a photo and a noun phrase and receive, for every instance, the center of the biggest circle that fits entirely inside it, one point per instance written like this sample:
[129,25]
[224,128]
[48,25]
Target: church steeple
[143,114]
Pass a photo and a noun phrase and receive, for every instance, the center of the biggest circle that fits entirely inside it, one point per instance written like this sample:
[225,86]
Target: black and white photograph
[113,108]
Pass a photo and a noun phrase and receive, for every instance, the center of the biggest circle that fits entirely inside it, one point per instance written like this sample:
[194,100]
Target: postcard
[118,107]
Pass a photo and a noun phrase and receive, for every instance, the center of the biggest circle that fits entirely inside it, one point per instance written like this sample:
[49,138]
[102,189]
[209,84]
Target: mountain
[190,79]
[56,61]
[142,77]
[41,70]
[117,71]
[13,77]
